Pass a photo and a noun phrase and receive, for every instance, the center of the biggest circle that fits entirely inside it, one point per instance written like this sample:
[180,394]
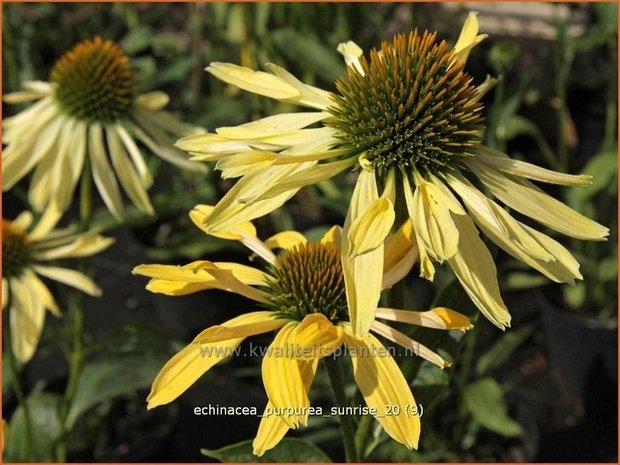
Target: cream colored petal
[525,244]
[162,145]
[224,332]
[227,279]
[83,246]
[282,378]
[363,274]
[333,236]
[257,82]
[316,337]
[135,154]
[504,163]
[126,173]
[18,159]
[167,122]
[272,428]
[23,221]
[5,292]
[67,169]
[69,277]
[46,223]
[152,101]
[468,38]
[42,293]
[383,386]
[351,53]
[400,254]
[236,200]
[433,222]
[102,172]
[529,200]
[277,124]
[437,318]
[286,240]
[475,269]
[182,370]
[427,270]
[200,217]
[496,220]
[309,96]
[312,175]
[369,230]
[27,316]
[405,341]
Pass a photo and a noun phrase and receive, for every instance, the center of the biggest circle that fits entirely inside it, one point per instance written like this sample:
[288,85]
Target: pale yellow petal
[46,223]
[102,172]
[383,386]
[468,38]
[475,269]
[41,292]
[333,236]
[316,337]
[27,316]
[309,96]
[405,341]
[427,270]
[400,254]
[351,53]
[257,82]
[23,221]
[83,246]
[369,230]
[200,217]
[286,240]
[135,154]
[363,274]
[127,174]
[437,318]
[152,101]
[282,378]
[272,428]
[529,200]
[504,163]
[69,277]
[182,370]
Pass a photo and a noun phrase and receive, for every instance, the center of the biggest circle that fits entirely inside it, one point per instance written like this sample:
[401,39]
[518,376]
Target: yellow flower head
[302,296]
[407,119]
[24,253]
[88,117]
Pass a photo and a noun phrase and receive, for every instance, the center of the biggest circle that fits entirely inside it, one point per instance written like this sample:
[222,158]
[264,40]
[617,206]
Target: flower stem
[16,385]
[76,357]
[364,428]
[336,378]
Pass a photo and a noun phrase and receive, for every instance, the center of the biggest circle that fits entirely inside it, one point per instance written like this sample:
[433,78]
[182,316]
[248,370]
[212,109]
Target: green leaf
[484,399]
[603,167]
[288,450]
[309,53]
[130,361]
[44,414]
[520,280]
[501,351]
[575,295]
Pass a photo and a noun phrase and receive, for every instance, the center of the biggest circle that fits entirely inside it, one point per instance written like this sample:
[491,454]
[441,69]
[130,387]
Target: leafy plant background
[546,390]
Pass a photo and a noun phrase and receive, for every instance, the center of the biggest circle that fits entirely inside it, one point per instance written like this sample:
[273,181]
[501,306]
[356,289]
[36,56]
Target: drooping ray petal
[468,38]
[182,370]
[272,428]
[475,269]
[382,384]
[282,378]
[437,318]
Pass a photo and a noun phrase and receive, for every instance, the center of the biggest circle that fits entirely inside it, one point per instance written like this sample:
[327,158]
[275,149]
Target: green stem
[336,378]
[562,64]
[364,428]
[16,385]
[466,363]
[76,357]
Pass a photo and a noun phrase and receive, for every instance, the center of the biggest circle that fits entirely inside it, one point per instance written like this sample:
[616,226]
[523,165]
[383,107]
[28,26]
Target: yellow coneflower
[302,296]
[89,111]
[25,251]
[408,119]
